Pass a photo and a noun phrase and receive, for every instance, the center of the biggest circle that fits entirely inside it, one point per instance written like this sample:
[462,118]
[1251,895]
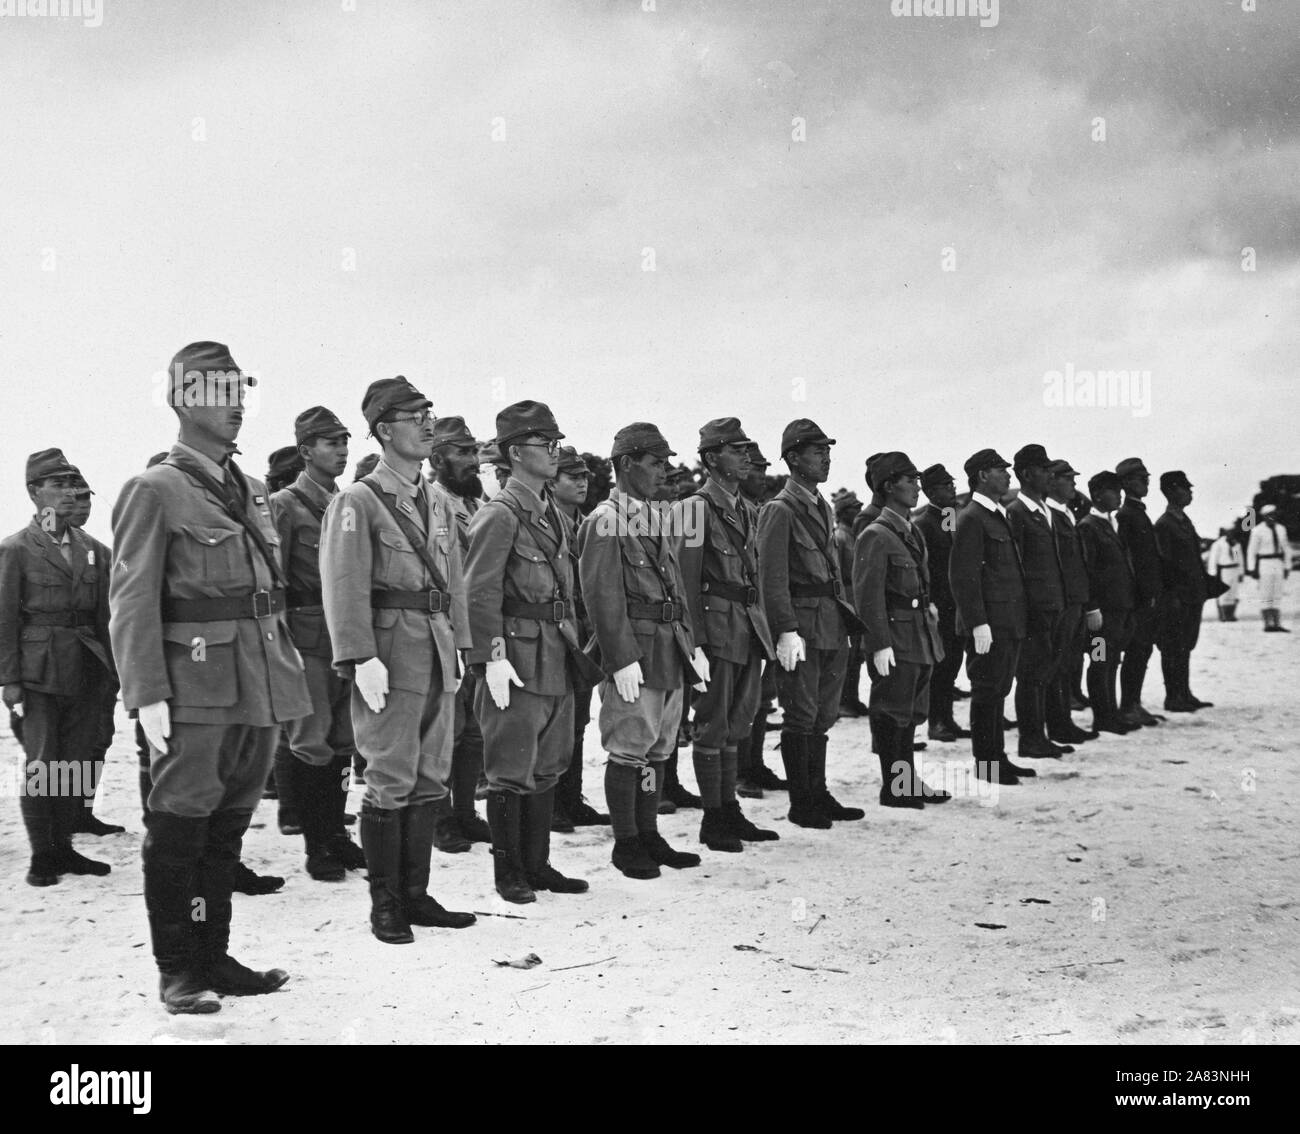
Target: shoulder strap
[813,534]
[739,545]
[316,511]
[413,534]
[554,561]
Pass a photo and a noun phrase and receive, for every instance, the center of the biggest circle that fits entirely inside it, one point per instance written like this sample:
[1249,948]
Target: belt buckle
[558,613]
[837,588]
[668,613]
[258,611]
[435,602]
[751,596]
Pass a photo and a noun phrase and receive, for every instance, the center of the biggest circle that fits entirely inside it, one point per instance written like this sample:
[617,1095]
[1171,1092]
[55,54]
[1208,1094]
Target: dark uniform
[1138,534]
[1074,629]
[847,507]
[56,659]
[803,593]
[1182,597]
[321,744]
[936,526]
[1112,587]
[198,627]
[988,587]
[720,570]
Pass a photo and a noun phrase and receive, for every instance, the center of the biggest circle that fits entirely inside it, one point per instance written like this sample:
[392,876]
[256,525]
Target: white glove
[156,721]
[983,638]
[790,650]
[372,683]
[500,675]
[701,665]
[934,612]
[628,681]
[883,660]
[1094,620]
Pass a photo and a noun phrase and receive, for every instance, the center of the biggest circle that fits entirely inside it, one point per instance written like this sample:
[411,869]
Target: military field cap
[985,459]
[890,465]
[490,454]
[389,394]
[83,486]
[207,362]
[47,463]
[722,431]
[934,476]
[525,418]
[571,462]
[318,422]
[756,458]
[1176,478]
[871,464]
[1103,482]
[366,466]
[1062,468]
[1031,456]
[843,498]
[452,431]
[803,431]
[284,462]
[1129,466]
[640,437]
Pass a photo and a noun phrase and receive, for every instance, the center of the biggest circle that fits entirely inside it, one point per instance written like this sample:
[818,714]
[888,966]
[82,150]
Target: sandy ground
[1142,890]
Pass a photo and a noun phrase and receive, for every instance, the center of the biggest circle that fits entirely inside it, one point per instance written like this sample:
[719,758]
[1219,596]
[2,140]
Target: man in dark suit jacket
[1113,590]
[936,525]
[1138,534]
[988,587]
[1183,576]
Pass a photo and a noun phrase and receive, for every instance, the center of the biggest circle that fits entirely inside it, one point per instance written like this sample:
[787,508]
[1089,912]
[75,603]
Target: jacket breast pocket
[36,655]
[214,555]
[399,562]
[201,663]
[530,572]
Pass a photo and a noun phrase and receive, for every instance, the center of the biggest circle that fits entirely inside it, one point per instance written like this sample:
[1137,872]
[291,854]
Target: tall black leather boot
[804,810]
[417,849]
[535,831]
[466,767]
[286,793]
[986,742]
[505,817]
[340,842]
[381,840]
[895,780]
[170,854]
[629,856]
[311,787]
[817,783]
[650,788]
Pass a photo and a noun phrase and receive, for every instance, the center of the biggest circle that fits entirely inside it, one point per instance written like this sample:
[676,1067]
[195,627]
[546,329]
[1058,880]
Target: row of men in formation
[443,636]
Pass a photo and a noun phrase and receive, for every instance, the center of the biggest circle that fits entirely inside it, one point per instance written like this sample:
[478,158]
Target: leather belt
[1270,555]
[556,610]
[829,589]
[659,611]
[59,618]
[259,604]
[732,591]
[294,598]
[430,601]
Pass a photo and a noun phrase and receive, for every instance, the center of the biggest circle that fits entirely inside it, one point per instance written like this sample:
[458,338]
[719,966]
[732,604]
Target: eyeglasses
[419,418]
[552,447]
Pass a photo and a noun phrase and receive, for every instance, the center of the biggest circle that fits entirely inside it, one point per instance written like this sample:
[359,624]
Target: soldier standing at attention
[891,590]
[1139,535]
[456,485]
[1112,587]
[55,662]
[936,525]
[847,507]
[632,584]
[570,493]
[205,657]
[524,634]
[720,571]
[1268,563]
[1183,593]
[988,587]
[1225,565]
[808,613]
[321,744]
[395,608]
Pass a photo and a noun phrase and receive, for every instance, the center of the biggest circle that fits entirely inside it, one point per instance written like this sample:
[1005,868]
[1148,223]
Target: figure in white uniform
[1224,564]
[1266,562]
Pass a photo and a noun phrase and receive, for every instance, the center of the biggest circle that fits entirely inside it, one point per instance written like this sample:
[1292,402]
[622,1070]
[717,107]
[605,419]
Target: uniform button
[212,539]
[270,637]
[914,602]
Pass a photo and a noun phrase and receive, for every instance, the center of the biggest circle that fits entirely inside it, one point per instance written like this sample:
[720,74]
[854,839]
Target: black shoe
[289,822]
[322,866]
[1078,702]
[423,910]
[349,820]
[388,920]
[743,828]
[666,806]
[561,824]
[1192,699]
[1113,725]
[584,815]
[347,852]
[680,797]
[1146,718]
[68,861]
[447,835]
[1179,705]
[995,772]
[716,832]
[911,802]
[834,809]
[933,796]
[809,815]
[960,694]
[43,870]
[90,825]
[474,827]
[229,978]
[1036,748]
[662,854]
[748,788]
[1072,735]
[1017,771]
[548,878]
[505,816]
[942,733]
[631,857]
[246,882]
[952,726]
[1009,723]
[186,994]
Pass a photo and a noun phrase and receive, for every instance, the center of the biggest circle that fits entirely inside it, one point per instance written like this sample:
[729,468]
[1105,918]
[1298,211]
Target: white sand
[1172,917]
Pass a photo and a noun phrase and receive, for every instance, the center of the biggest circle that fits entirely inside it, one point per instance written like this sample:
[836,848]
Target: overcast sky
[213,171]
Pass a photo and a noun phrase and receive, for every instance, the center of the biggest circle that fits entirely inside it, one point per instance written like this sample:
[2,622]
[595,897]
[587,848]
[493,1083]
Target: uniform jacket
[34,580]
[1074,574]
[938,547]
[617,568]
[891,589]
[724,552]
[1183,573]
[363,549]
[1270,544]
[870,511]
[789,557]
[299,532]
[985,573]
[462,510]
[174,538]
[1039,555]
[1138,533]
[1111,582]
[1225,560]
[525,561]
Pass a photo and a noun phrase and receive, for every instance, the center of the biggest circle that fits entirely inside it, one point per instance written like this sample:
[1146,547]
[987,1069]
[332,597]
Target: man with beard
[321,745]
[1183,594]
[197,601]
[988,588]
[809,614]
[395,608]
[936,524]
[1139,535]
[456,484]
[1112,588]
[55,662]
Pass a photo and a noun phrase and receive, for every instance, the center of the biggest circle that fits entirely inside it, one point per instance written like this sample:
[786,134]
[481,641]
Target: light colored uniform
[1266,554]
[1225,563]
